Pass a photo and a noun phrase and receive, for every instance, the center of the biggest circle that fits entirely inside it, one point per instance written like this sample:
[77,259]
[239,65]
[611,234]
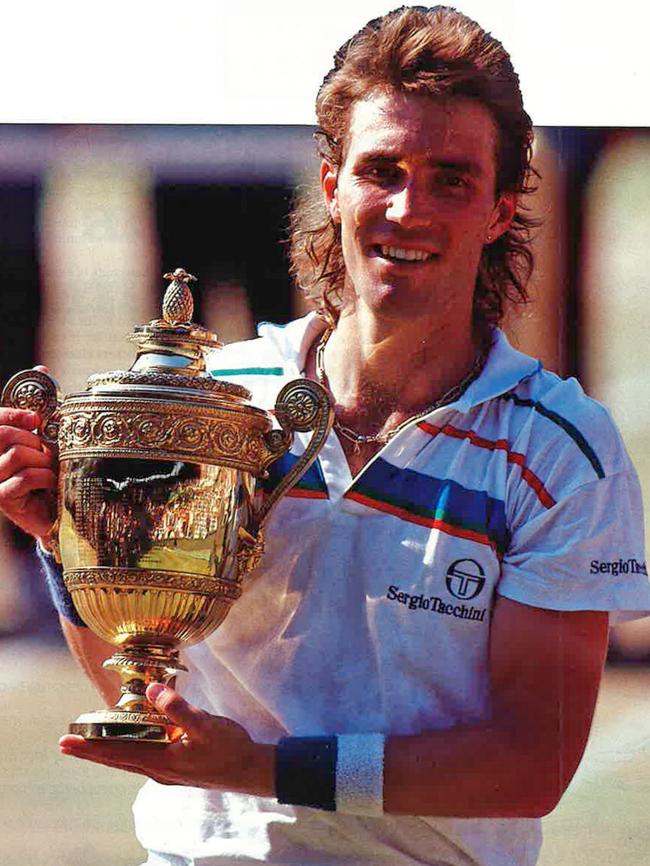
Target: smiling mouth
[399,254]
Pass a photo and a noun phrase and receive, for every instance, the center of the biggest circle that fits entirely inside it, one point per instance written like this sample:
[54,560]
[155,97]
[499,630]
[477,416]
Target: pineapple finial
[178,304]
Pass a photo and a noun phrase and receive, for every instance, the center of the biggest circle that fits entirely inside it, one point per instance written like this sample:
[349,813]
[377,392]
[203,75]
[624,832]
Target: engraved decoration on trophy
[157,518]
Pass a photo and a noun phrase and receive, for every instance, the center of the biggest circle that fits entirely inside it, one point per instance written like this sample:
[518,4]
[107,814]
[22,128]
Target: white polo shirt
[371,610]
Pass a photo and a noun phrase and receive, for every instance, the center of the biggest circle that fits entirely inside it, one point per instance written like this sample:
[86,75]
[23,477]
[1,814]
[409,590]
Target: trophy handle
[302,405]
[38,392]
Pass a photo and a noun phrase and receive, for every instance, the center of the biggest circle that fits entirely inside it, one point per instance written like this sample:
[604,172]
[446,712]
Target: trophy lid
[171,352]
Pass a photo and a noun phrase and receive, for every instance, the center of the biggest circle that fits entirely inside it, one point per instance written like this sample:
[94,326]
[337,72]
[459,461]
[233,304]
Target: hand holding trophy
[157,522]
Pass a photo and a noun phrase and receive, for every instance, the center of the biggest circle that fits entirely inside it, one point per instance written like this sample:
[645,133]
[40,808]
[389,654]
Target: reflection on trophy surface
[157,521]
[154,516]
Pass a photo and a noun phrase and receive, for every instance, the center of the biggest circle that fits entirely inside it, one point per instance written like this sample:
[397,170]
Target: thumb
[176,708]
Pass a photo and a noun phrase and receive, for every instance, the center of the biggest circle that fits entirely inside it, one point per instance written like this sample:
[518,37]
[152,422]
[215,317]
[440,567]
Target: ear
[328,180]
[502,216]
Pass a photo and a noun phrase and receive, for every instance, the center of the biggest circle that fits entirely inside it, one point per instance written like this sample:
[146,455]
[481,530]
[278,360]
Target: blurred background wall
[92,216]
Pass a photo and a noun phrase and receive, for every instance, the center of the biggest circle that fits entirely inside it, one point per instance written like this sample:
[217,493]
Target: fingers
[214,753]
[25,501]
[122,753]
[127,756]
[193,721]
[20,432]
[23,418]
[26,470]
[18,458]
[27,481]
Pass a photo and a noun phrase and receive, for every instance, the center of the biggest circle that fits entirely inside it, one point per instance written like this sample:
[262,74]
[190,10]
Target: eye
[452,180]
[381,172]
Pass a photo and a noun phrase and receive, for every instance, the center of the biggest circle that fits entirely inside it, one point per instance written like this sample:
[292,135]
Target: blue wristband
[305,772]
[339,774]
[58,592]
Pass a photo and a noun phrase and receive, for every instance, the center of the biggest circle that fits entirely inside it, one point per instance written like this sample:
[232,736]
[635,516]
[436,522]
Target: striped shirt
[371,609]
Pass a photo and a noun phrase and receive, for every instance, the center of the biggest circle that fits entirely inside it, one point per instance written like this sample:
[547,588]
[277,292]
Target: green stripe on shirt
[249,371]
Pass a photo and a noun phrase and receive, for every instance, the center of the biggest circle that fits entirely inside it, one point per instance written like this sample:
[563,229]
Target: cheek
[357,223]
[349,244]
[362,210]
[472,229]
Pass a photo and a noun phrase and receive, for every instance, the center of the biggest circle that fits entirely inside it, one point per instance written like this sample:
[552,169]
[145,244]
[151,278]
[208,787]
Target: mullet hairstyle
[440,53]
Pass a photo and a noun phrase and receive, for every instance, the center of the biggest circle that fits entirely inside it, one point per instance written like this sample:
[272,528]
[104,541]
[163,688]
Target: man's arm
[545,669]
[28,477]
[90,651]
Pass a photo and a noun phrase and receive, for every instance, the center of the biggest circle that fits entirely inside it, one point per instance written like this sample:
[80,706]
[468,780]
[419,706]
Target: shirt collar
[294,340]
[504,369]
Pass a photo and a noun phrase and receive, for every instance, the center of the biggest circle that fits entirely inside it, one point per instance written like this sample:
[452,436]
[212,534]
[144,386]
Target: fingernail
[154,691]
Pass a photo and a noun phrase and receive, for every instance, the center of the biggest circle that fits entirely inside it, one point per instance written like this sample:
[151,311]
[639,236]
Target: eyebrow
[464,166]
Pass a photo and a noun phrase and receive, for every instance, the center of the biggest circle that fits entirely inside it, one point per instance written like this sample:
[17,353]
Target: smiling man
[412,675]
[416,203]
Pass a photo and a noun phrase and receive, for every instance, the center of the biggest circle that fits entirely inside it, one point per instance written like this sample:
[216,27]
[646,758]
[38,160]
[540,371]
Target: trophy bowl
[158,519]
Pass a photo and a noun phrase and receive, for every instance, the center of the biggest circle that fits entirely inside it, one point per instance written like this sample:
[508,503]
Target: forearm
[481,771]
[90,652]
[473,772]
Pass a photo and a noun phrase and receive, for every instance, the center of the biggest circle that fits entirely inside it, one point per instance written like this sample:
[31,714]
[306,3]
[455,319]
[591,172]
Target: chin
[391,302]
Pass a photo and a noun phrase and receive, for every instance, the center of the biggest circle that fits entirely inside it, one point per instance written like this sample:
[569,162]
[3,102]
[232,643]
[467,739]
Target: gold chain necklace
[359,439]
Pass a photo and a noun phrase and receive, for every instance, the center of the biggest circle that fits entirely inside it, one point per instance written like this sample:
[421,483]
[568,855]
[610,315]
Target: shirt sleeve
[585,552]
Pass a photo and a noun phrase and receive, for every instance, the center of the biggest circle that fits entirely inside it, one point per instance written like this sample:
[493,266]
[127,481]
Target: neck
[391,367]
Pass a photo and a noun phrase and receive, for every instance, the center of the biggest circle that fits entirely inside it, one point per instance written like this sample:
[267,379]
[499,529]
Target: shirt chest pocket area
[436,582]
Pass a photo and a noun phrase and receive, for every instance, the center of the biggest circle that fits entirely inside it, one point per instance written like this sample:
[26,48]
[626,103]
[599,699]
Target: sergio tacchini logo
[465,579]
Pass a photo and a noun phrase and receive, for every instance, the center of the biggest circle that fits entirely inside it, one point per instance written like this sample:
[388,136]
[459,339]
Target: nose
[411,206]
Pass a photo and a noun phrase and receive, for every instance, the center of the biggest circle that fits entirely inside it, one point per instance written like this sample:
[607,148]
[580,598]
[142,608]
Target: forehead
[405,125]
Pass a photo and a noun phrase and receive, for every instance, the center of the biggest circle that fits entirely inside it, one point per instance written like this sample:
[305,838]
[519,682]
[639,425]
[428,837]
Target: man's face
[415,200]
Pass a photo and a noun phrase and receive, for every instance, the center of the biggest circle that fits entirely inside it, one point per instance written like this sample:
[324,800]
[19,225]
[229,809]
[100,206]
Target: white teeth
[405,255]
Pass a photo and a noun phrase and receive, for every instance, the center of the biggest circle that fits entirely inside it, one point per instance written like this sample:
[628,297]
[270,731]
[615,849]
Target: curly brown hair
[438,52]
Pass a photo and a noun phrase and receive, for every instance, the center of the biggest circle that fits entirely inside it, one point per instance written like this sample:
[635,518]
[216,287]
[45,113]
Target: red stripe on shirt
[302,493]
[495,445]
[431,522]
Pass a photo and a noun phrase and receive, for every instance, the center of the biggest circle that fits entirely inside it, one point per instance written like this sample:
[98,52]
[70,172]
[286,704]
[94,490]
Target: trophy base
[133,717]
[125,726]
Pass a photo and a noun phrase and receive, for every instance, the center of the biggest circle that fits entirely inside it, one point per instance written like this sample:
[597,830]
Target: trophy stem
[133,717]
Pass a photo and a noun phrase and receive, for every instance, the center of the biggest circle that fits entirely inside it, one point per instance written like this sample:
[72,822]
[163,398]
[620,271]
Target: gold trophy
[157,518]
